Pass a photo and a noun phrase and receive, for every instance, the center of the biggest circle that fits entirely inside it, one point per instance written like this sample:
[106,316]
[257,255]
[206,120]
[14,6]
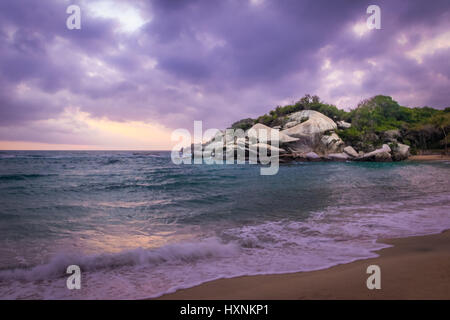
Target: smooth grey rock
[310,130]
[331,143]
[343,125]
[382,154]
[265,146]
[351,152]
[257,130]
[400,152]
[290,124]
[312,156]
[309,123]
[338,156]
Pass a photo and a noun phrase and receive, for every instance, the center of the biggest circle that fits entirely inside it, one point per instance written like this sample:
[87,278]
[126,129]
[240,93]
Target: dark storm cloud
[261,42]
[215,61]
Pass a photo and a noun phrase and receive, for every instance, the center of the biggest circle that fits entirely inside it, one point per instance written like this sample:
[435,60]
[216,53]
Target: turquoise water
[140,226]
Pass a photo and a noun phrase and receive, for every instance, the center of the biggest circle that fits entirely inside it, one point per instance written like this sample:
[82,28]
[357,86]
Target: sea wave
[169,254]
[307,217]
[24,176]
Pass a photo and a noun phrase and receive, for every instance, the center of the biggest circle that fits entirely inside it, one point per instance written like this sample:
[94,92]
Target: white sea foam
[169,254]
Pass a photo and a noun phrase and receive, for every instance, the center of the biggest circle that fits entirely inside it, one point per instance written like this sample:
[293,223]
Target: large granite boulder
[310,129]
[309,122]
[290,124]
[312,156]
[196,150]
[219,136]
[400,152]
[331,143]
[338,156]
[343,125]
[382,155]
[213,148]
[351,152]
[262,147]
[260,129]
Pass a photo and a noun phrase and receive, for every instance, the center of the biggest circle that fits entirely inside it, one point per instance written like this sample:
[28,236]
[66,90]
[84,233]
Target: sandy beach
[429,157]
[413,268]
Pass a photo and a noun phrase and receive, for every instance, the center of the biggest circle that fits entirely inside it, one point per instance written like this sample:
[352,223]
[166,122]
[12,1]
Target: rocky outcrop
[309,123]
[343,125]
[312,156]
[338,156]
[382,155]
[210,149]
[260,130]
[332,143]
[263,147]
[351,152]
[400,152]
[308,135]
[290,124]
[314,132]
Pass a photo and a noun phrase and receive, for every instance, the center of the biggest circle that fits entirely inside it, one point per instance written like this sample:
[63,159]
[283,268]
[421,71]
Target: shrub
[243,124]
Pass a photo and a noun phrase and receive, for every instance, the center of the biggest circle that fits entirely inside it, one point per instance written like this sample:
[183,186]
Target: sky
[137,70]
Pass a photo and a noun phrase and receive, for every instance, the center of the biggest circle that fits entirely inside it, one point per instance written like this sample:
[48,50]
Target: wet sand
[413,268]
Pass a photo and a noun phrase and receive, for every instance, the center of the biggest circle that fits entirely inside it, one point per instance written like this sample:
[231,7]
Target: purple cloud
[216,61]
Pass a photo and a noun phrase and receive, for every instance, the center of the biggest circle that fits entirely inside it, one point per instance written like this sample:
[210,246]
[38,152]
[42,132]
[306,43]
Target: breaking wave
[172,253]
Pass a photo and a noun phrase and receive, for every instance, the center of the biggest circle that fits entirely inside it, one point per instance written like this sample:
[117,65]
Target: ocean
[140,226]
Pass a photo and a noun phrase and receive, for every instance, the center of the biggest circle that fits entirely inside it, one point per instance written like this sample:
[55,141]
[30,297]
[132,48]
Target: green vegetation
[375,121]
[243,124]
[442,122]
[308,102]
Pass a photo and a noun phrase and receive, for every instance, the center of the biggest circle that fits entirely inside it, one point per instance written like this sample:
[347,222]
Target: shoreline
[429,157]
[416,267]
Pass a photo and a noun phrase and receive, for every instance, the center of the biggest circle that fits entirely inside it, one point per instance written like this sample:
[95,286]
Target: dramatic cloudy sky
[139,69]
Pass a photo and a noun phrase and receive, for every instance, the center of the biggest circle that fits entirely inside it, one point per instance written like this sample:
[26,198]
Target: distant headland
[378,129]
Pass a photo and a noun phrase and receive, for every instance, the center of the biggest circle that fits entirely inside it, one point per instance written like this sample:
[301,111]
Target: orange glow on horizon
[37,146]
[94,134]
